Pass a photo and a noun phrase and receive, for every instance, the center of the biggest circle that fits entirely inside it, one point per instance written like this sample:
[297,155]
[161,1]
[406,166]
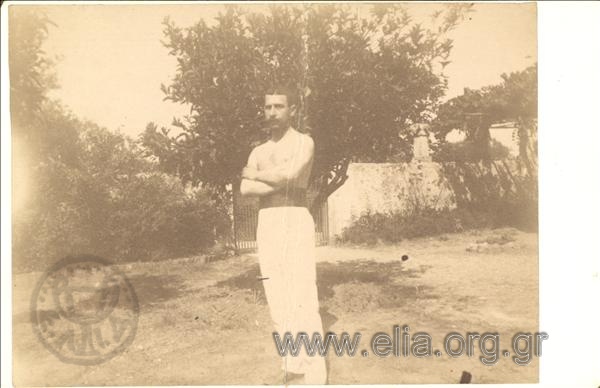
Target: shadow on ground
[154,289]
[350,286]
[150,290]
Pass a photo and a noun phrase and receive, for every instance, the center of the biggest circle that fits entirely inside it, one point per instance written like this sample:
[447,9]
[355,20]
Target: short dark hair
[290,92]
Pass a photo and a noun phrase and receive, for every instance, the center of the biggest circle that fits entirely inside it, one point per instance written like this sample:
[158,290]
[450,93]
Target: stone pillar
[421,150]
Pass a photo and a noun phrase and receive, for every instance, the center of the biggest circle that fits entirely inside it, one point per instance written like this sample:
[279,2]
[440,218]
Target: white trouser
[286,249]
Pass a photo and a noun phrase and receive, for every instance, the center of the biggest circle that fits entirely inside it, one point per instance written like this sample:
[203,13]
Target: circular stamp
[84,310]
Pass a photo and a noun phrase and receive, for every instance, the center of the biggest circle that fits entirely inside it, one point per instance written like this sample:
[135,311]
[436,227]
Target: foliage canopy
[362,75]
[514,99]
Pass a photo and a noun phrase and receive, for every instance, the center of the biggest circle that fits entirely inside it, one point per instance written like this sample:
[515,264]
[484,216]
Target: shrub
[114,204]
[497,191]
[372,228]
[154,217]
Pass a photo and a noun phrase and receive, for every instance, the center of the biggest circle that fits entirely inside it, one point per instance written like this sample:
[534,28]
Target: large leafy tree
[31,73]
[82,188]
[41,128]
[514,99]
[362,80]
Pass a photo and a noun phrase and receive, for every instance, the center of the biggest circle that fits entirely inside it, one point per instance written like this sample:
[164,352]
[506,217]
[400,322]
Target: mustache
[273,123]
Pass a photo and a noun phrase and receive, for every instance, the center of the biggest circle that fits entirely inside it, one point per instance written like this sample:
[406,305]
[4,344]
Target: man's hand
[249,173]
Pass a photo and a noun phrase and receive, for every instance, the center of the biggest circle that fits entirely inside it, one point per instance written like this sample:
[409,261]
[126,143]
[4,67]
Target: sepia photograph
[274,193]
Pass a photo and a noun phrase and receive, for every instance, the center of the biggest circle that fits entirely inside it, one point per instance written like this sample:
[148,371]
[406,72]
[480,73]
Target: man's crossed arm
[250,187]
[281,175]
[263,182]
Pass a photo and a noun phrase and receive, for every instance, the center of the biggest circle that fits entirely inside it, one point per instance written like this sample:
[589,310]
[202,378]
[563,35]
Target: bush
[372,228]
[497,190]
[114,204]
[154,217]
[468,151]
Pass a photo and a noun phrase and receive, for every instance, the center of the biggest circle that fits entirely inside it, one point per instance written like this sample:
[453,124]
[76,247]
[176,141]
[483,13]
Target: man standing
[278,172]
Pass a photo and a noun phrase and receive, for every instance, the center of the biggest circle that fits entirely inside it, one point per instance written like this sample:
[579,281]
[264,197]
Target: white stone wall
[387,187]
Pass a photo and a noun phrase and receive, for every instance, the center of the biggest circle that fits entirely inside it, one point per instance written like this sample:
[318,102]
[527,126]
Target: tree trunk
[330,183]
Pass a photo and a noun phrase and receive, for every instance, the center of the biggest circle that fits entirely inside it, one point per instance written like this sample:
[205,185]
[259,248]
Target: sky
[110,61]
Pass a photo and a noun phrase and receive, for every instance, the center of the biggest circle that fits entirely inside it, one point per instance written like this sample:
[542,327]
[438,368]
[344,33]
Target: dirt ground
[208,323]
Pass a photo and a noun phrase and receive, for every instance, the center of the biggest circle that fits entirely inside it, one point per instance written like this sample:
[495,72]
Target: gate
[245,221]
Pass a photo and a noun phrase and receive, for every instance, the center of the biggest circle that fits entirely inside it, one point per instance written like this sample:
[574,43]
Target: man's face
[277,111]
